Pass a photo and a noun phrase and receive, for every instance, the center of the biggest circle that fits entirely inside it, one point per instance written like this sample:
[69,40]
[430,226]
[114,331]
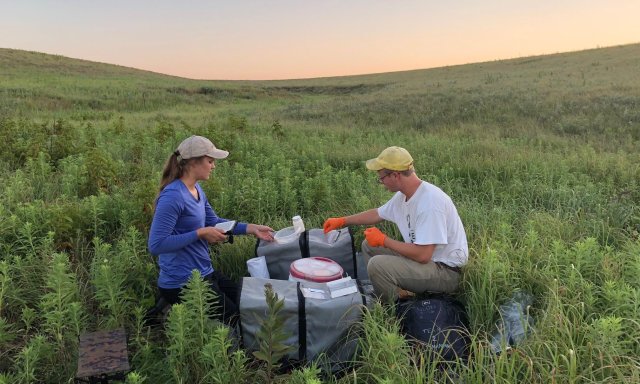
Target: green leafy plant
[190,328]
[271,336]
[109,286]
[6,333]
[57,303]
[135,378]
[306,375]
[182,344]
[220,362]
[28,317]
[5,281]
[28,359]
[385,354]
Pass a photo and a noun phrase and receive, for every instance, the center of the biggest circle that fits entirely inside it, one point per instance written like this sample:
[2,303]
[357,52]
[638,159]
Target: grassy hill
[541,156]
[599,87]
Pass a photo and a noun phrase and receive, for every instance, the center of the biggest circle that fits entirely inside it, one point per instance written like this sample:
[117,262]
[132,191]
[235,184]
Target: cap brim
[374,165]
[218,154]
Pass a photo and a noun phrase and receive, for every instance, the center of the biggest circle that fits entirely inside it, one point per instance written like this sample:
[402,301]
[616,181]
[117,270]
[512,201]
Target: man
[435,244]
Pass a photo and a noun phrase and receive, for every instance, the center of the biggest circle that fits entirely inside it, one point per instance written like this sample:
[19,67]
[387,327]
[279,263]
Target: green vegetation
[272,336]
[540,154]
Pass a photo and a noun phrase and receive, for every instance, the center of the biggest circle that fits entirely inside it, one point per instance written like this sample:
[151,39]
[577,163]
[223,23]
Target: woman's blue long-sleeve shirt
[173,237]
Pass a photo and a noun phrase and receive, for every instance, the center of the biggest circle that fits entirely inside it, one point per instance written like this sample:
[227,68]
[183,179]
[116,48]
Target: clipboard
[226,226]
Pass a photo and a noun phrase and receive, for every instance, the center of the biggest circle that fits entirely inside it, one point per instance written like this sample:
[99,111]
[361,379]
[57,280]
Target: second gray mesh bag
[336,245]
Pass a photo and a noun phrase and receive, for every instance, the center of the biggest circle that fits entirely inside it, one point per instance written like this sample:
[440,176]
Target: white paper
[314,293]
[340,282]
[342,287]
[330,290]
[344,291]
[226,226]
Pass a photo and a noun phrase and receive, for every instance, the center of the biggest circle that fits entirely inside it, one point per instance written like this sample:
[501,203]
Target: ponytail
[173,169]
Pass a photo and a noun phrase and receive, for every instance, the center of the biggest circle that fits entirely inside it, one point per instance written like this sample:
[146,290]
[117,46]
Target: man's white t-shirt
[429,217]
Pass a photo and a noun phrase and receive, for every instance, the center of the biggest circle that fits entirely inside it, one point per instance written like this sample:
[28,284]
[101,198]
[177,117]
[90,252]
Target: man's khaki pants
[389,272]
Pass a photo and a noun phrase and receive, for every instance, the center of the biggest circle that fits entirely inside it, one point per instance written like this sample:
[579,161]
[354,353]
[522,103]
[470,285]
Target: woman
[183,226]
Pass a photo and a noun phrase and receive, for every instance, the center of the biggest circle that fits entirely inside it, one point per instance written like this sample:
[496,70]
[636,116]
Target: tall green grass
[539,154]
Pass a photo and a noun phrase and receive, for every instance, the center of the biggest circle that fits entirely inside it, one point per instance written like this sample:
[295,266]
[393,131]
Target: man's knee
[373,267]
[366,248]
[384,283]
[378,269]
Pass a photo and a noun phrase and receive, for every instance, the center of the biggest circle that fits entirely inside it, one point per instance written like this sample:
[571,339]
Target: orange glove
[333,223]
[374,237]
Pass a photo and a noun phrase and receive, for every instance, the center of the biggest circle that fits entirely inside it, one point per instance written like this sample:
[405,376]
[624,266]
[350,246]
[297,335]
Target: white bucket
[315,269]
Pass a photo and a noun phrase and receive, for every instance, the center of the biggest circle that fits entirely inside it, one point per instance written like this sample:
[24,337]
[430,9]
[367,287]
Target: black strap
[239,316]
[353,253]
[454,269]
[303,241]
[302,325]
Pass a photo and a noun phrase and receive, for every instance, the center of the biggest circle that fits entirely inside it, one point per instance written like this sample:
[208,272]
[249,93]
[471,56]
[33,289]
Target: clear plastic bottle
[298,224]
[515,323]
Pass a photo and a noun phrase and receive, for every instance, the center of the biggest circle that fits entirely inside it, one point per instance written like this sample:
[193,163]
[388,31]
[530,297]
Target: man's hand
[333,223]
[374,237]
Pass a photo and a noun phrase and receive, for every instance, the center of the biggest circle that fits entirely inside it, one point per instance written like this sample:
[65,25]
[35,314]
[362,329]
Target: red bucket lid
[316,269]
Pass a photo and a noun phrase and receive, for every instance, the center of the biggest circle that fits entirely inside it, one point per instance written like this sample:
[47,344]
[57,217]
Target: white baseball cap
[197,146]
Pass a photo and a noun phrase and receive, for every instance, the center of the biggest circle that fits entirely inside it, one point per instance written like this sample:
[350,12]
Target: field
[541,156]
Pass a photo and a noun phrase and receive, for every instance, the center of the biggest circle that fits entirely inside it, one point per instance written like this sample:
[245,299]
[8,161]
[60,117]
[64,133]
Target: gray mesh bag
[337,246]
[315,326]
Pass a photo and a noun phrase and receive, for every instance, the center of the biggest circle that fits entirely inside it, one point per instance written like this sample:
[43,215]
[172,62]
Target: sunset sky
[284,39]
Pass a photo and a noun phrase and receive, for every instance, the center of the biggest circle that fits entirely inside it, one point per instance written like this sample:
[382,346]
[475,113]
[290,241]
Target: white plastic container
[315,269]
[298,224]
[289,234]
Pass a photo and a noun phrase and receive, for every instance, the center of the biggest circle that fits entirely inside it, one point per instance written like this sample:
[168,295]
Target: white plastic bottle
[298,225]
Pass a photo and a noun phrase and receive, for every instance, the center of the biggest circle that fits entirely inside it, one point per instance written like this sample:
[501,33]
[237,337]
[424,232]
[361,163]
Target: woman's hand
[262,232]
[211,235]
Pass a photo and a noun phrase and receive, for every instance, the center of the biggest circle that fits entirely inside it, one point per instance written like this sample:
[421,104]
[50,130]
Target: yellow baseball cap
[392,158]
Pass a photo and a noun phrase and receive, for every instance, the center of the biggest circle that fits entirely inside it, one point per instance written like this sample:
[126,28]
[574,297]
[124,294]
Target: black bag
[439,321]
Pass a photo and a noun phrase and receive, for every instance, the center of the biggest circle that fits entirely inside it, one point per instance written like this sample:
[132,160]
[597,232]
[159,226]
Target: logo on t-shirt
[412,231]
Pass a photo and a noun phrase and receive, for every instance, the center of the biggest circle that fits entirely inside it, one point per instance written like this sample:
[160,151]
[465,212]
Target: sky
[288,39]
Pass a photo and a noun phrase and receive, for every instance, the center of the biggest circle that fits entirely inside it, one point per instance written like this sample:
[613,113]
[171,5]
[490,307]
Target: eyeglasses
[381,179]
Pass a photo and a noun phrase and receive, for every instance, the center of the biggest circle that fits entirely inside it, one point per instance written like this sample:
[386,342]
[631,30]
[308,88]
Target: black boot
[155,315]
